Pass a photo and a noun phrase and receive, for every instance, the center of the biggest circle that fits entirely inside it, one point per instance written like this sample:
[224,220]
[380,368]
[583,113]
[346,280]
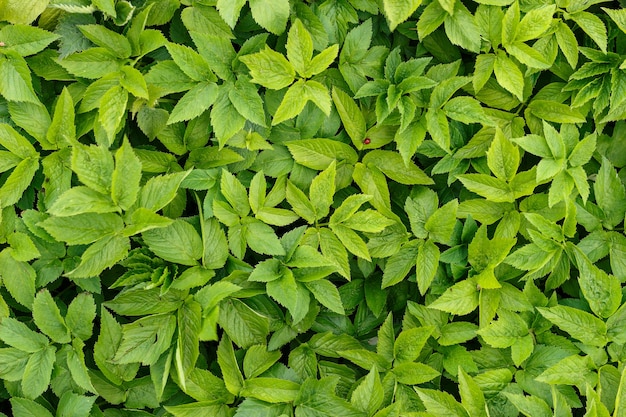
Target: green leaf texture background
[290,208]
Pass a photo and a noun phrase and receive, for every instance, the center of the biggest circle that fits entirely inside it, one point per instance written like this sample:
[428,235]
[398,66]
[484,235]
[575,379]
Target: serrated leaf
[195,102]
[460,299]
[101,255]
[270,14]
[397,11]
[580,324]
[48,319]
[269,68]
[179,242]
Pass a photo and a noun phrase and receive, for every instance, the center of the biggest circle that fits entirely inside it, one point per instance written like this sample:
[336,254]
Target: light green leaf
[18,278]
[195,102]
[440,224]
[601,290]
[16,334]
[460,299]
[179,242]
[318,154]
[112,110]
[269,68]
[530,405]
[351,116]
[82,229]
[18,181]
[144,340]
[189,320]
[593,26]
[261,238]
[101,255]
[23,407]
[579,324]
[26,40]
[300,203]
[271,15]
[108,39]
[258,360]
[400,263]
[126,176]
[410,343]
[466,110]
[440,403]
[80,316]
[246,99]
[299,47]
[472,397]
[190,62]
[369,395]
[503,157]
[461,28]
[327,294]
[229,10]
[16,83]
[427,263]
[555,112]
[509,76]
[37,372]
[610,193]
[322,191]
[272,390]
[493,189]
[160,191]
[292,104]
[48,319]
[62,130]
[535,23]
[352,241]
[397,11]
[291,294]
[392,165]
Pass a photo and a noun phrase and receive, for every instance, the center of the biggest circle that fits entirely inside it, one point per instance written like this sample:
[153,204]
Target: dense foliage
[346,208]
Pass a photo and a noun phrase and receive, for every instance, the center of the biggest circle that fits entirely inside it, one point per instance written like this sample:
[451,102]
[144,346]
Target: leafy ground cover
[274,208]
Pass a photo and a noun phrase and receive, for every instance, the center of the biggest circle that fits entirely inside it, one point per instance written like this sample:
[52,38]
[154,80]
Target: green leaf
[322,191]
[530,405]
[108,39]
[427,263]
[18,181]
[112,110]
[160,191]
[80,316]
[579,324]
[440,224]
[410,343]
[48,318]
[351,240]
[74,405]
[16,83]
[493,189]
[369,395]
[82,229]
[317,398]
[400,263]
[189,320]
[460,299]
[258,360]
[461,28]
[195,102]
[299,47]
[601,290]
[26,40]
[593,26]
[245,98]
[16,334]
[228,364]
[291,294]
[24,407]
[472,397]
[144,340]
[18,278]
[292,104]
[397,11]
[190,62]
[272,15]
[179,242]
[126,177]
[567,43]
[555,112]
[503,157]
[535,23]
[466,110]
[610,194]
[229,10]
[271,390]
[509,76]
[327,294]
[440,403]
[261,238]
[351,116]
[392,165]
[101,255]
[318,154]
[37,372]
[62,130]
[269,68]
